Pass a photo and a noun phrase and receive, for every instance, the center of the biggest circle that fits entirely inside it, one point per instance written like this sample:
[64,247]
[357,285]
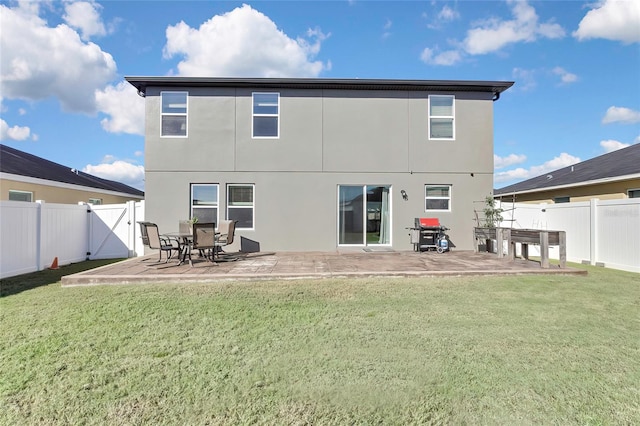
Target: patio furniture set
[201,237]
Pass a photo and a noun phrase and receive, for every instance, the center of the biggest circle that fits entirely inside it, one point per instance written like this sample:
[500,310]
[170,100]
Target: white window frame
[629,191]
[449,198]
[15,191]
[175,114]
[95,201]
[452,117]
[254,115]
[216,206]
[252,206]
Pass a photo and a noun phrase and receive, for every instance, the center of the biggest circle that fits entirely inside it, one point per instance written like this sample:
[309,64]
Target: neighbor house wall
[57,192]
[327,138]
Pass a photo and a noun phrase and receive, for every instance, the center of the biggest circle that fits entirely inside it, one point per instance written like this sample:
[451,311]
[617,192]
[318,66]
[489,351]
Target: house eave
[571,185]
[496,87]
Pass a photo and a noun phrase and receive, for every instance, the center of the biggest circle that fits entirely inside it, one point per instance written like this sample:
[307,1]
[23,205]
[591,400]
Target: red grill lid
[429,222]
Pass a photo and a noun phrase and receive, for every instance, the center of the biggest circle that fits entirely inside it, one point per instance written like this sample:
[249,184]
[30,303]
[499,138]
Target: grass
[459,350]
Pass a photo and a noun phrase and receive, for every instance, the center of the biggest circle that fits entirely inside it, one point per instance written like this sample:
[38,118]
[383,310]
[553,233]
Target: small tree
[492,215]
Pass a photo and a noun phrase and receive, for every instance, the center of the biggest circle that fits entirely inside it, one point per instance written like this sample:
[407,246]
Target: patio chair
[143,233]
[151,238]
[223,232]
[203,239]
[224,239]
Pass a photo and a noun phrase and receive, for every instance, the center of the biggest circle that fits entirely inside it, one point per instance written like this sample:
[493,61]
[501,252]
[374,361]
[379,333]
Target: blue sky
[576,67]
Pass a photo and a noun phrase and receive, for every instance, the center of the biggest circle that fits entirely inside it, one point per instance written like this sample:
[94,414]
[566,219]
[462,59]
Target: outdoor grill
[428,234]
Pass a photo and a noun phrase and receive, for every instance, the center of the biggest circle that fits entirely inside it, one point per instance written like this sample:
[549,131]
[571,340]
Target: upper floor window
[204,202]
[240,205]
[266,115]
[442,117]
[174,114]
[437,197]
[20,195]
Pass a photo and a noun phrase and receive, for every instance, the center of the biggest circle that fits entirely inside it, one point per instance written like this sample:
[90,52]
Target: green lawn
[460,350]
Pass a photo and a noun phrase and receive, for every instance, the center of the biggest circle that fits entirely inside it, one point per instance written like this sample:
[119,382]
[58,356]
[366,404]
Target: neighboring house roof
[618,165]
[495,87]
[15,162]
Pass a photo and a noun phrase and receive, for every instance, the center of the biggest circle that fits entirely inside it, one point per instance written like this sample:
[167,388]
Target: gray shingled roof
[616,164]
[23,164]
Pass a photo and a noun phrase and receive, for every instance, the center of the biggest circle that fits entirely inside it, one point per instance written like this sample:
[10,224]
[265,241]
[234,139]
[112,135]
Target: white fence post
[38,240]
[593,230]
[131,222]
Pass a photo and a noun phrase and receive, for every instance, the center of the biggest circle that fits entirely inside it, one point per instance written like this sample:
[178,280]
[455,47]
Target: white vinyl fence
[32,235]
[603,233]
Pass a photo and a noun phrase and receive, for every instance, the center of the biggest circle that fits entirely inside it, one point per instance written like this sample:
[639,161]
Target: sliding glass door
[364,215]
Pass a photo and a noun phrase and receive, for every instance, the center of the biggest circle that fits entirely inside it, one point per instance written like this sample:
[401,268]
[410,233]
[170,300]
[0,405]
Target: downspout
[496,96]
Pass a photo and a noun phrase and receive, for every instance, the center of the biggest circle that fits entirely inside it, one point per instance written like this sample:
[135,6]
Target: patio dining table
[184,244]
[185,240]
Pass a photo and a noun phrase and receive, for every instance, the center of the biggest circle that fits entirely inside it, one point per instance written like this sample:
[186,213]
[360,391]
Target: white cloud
[387,28]
[446,58]
[494,34]
[509,160]
[441,18]
[565,76]
[563,160]
[448,14]
[15,133]
[617,20]
[611,145]
[85,17]
[510,175]
[39,62]
[243,43]
[621,115]
[120,171]
[124,107]
[525,78]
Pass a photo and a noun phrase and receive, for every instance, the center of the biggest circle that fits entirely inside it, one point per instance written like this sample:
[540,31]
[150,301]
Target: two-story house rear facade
[318,164]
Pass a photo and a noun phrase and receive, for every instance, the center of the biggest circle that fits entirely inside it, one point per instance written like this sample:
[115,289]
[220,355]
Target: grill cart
[428,234]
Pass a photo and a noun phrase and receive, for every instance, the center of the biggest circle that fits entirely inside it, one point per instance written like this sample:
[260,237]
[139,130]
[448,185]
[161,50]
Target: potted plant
[186,226]
[492,219]
[492,214]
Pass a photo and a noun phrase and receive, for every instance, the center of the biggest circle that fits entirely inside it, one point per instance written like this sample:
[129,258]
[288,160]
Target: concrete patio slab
[300,265]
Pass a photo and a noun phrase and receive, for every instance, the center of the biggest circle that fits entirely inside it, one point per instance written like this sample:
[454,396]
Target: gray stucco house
[318,164]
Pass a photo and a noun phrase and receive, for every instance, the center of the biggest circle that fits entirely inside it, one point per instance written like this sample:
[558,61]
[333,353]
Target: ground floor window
[204,202]
[364,215]
[95,201]
[20,195]
[240,206]
[634,193]
[437,198]
[558,200]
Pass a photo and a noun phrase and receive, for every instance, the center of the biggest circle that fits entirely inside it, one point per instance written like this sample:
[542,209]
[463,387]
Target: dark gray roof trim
[495,87]
[616,164]
[20,163]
